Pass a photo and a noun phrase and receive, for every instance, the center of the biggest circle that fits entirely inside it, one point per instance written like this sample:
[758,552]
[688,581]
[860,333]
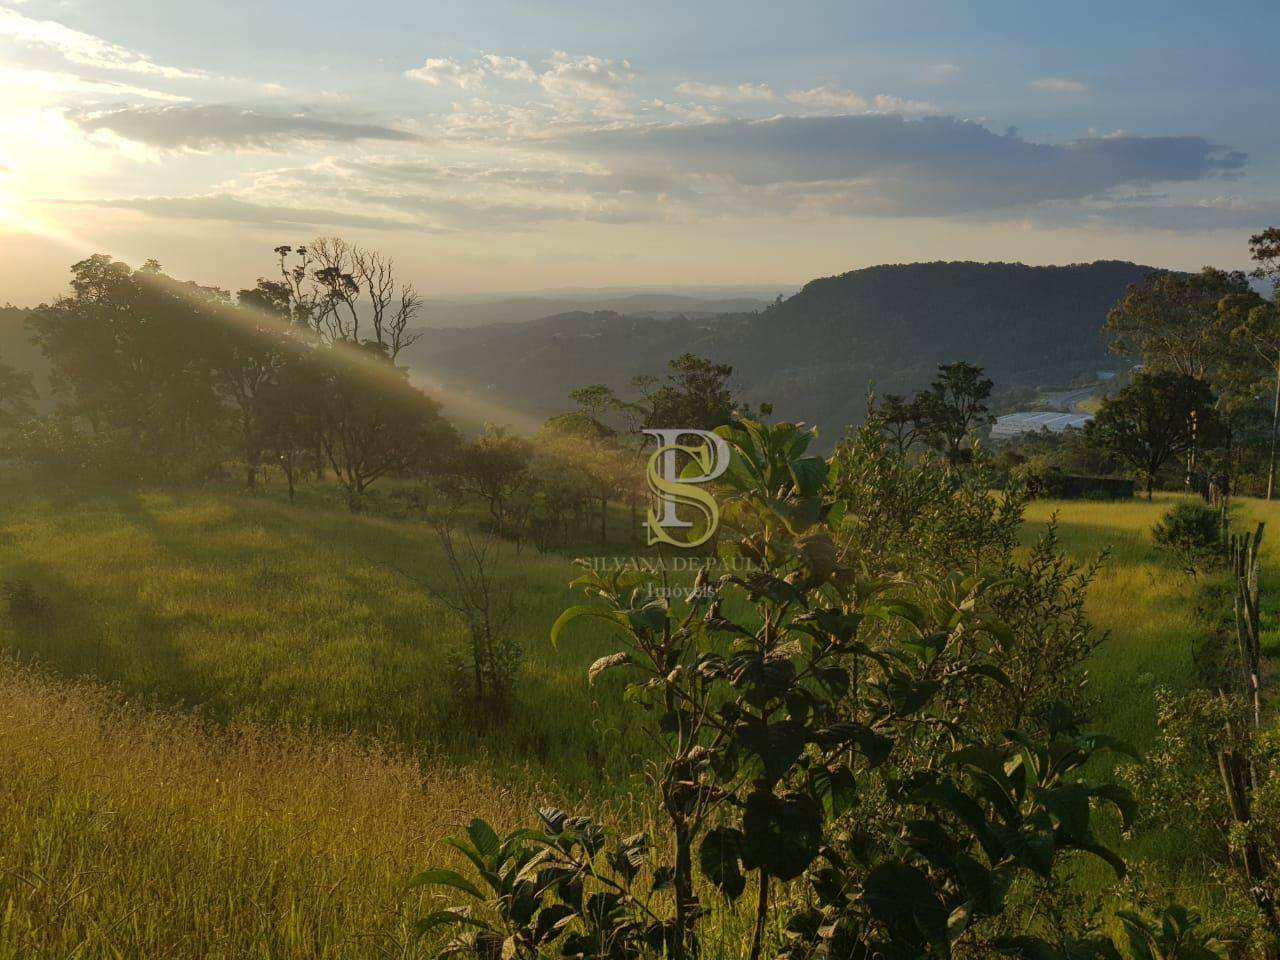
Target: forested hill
[814,354]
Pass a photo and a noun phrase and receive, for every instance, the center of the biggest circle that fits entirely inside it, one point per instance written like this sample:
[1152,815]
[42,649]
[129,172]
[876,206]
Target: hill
[457,313]
[814,354]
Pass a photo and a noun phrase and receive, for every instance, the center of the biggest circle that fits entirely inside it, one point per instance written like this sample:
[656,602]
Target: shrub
[1192,532]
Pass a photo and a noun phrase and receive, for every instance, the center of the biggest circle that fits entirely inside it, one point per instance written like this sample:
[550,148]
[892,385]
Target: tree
[372,420]
[349,284]
[1157,416]
[953,407]
[17,396]
[1255,324]
[128,352]
[902,421]
[1171,320]
[287,413]
[495,467]
[1264,250]
[1261,325]
[695,395]
[594,401]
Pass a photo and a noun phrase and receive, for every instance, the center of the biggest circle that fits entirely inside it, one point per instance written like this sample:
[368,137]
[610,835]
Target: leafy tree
[495,467]
[1255,324]
[594,402]
[17,396]
[1264,249]
[373,421]
[696,394]
[286,413]
[953,407]
[919,515]
[1171,321]
[128,353]
[370,420]
[1154,418]
[904,421]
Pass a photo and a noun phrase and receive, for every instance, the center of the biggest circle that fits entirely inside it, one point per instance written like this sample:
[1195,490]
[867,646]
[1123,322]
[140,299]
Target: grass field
[291,749]
[248,609]
[135,833]
[1145,604]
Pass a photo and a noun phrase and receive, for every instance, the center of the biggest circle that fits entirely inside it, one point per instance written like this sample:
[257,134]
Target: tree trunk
[762,913]
[1275,427]
[604,522]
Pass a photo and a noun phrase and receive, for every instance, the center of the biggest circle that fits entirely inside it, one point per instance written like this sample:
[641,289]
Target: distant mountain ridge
[814,354]
[457,313]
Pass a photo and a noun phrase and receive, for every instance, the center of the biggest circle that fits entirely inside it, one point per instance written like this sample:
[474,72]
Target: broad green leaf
[782,835]
[442,918]
[720,859]
[484,837]
[896,892]
[446,878]
[581,610]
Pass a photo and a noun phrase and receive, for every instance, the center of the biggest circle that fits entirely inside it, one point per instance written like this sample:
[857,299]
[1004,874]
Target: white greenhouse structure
[1014,424]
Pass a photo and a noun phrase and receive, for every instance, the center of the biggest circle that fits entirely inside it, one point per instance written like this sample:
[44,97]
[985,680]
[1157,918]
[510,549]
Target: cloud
[83,49]
[508,68]
[829,98]
[815,166]
[887,104]
[825,99]
[62,83]
[888,165]
[1059,85]
[209,126]
[592,79]
[1219,213]
[506,190]
[563,77]
[441,70]
[230,209]
[742,93]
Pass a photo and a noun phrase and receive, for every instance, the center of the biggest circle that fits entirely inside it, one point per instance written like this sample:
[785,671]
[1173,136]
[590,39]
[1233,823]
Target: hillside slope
[814,354]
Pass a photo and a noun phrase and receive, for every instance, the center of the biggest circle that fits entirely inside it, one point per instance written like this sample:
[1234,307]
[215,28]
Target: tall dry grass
[127,833]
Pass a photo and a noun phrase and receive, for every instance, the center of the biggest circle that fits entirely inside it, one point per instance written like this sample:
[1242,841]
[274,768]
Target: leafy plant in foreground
[811,728]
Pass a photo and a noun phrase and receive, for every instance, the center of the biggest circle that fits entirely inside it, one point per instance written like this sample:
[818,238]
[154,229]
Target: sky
[519,146]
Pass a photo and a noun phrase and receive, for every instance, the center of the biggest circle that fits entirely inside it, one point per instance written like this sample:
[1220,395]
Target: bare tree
[348,285]
[476,593]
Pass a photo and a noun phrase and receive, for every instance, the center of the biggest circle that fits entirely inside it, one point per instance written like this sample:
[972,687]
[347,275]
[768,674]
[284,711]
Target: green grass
[245,608]
[1144,603]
